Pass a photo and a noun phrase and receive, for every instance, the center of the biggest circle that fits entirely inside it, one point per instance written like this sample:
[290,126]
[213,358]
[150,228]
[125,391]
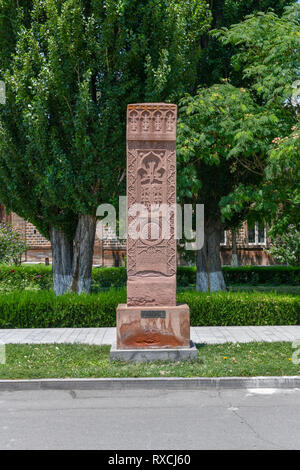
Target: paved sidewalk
[202,334]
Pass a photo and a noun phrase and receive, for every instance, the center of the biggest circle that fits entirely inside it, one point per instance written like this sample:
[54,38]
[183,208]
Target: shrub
[45,310]
[109,277]
[39,277]
[285,248]
[240,308]
[186,276]
[25,277]
[255,275]
[11,245]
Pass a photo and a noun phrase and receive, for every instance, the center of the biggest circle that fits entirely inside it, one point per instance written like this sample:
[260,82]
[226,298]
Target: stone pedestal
[166,327]
[159,354]
[151,320]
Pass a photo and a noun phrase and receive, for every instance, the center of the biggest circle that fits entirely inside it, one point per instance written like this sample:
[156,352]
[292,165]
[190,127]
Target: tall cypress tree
[75,67]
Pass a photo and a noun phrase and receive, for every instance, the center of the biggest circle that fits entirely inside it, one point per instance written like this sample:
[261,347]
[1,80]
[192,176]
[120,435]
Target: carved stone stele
[151,181]
[151,233]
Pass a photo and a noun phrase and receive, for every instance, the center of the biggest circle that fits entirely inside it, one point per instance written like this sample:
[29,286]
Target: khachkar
[151,325]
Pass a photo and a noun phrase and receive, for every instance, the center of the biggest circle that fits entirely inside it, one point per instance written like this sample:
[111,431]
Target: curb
[152,383]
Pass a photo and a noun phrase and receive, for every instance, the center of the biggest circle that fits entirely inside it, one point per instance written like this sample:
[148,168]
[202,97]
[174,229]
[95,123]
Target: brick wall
[109,238]
[33,236]
[113,249]
[248,253]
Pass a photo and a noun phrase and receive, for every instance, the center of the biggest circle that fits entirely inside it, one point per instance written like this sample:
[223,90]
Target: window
[257,233]
[251,233]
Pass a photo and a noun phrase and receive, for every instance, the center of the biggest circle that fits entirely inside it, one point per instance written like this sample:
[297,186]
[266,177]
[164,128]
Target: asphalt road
[230,419]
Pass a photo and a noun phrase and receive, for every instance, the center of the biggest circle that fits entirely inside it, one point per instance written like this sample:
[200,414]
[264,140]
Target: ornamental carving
[151,182]
[151,122]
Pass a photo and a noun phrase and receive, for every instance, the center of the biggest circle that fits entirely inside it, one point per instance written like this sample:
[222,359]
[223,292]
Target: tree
[270,68]
[279,198]
[222,143]
[227,135]
[12,17]
[11,245]
[285,248]
[234,255]
[75,67]
[215,62]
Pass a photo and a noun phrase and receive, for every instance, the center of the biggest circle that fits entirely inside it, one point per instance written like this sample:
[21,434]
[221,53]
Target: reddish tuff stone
[151,256]
[133,331]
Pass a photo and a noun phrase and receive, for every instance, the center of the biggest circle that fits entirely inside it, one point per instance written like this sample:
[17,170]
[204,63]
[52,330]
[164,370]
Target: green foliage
[267,53]
[251,275]
[75,67]
[227,133]
[70,68]
[260,275]
[12,16]
[223,138]
[267,57]
[45,310]
[12,246]
[222,309]
[279,198]
[216,62]
[108,277]
[286,248]
[235,10]
[25,277]
[40,277]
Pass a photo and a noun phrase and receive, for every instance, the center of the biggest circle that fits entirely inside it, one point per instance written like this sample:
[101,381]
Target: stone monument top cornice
[151,121]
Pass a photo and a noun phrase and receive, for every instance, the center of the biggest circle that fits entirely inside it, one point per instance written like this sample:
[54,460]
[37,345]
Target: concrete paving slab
[99,336]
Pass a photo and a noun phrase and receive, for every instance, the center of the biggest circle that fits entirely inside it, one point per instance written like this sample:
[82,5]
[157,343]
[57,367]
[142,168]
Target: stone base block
[151,291]
[149,355]
[153,327]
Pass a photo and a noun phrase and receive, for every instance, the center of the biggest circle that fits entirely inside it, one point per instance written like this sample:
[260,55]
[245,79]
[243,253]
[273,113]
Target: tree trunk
[234,259]
[83,253]
[72,260]
[202,279]
[62,254]
[209,273]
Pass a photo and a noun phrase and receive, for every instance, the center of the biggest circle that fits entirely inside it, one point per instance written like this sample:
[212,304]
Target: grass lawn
[67,360]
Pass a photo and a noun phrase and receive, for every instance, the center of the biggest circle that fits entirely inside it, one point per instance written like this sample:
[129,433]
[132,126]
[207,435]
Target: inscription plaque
[153,313]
